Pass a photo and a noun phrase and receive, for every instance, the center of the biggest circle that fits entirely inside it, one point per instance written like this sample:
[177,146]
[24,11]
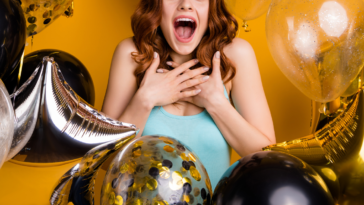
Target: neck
[178,58]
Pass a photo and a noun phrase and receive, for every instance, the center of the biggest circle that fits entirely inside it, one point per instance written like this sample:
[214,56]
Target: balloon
[156,170]
[74,72]
[73,185]
[318,45]
[6,123]
[338,146]
[12,37]
[248,9]
[272,178]
[41,13]
[61,125]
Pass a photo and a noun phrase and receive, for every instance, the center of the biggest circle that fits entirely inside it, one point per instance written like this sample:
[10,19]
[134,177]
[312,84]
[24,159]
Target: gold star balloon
[336,152]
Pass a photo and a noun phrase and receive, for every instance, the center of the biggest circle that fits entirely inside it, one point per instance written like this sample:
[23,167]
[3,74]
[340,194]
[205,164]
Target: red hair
[148,37]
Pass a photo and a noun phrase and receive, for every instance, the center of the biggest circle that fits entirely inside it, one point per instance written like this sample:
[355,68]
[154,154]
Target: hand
[165,88]
[212,91]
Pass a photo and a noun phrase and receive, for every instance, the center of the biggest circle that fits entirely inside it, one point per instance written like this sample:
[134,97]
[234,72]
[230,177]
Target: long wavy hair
[148,37]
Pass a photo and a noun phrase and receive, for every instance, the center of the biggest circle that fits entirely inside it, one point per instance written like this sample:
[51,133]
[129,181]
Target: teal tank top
[199,132]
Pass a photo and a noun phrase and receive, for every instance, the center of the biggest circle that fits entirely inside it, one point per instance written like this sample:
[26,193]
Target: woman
[175,76]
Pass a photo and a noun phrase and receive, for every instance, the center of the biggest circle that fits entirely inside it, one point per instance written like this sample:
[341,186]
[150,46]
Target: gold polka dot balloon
[156,170]
[41,13]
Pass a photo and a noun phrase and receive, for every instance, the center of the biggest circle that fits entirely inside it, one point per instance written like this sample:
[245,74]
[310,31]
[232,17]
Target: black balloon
[12,38]
[74,72]
[271,178]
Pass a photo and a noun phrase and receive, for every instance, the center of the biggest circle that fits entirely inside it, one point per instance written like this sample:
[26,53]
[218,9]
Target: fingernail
[206,77]
[155,54]
[169,63]
[159,71]
[197,91]
[206,68]
[196,61]
[217,54]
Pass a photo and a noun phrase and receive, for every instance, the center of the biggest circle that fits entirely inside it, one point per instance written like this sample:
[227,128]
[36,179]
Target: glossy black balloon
[74,72]
[12,37]
[271,178]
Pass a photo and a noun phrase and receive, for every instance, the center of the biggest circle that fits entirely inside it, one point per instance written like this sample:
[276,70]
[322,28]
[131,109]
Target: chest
[188,109]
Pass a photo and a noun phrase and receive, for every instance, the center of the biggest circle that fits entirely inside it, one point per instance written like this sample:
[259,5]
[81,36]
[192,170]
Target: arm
[122,101]
[249,127]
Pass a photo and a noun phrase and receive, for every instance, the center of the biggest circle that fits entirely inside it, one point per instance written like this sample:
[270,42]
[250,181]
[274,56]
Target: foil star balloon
[62,126]
[78,183]
[336,151]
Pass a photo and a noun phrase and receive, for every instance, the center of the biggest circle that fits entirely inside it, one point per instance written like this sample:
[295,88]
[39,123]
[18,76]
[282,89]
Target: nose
[185,5]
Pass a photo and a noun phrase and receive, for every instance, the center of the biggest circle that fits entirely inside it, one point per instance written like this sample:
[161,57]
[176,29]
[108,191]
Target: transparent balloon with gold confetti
[156,170]
[41,13]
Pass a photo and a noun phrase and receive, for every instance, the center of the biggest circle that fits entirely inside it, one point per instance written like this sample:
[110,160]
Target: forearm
[243,137]
[137,111]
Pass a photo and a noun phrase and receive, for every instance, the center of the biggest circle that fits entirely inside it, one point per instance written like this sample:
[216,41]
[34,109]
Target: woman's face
[184,22]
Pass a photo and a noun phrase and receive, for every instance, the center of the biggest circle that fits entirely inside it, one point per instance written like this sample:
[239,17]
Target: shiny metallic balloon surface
[66,126]
[273,178]
[337,150]
[77,185]
[6,123]
[12,38]
[73,71]
[318,45]
[26,102]
[156,170]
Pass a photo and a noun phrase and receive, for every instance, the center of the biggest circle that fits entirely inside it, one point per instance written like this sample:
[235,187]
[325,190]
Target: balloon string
[31,44]
[20,69]
[246,27]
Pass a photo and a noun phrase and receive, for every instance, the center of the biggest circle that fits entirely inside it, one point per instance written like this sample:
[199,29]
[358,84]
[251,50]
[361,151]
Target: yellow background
[91,35]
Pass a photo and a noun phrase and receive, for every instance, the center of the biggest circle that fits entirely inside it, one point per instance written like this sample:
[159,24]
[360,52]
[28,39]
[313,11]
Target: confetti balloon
[156,170]
[41,13]
[318,45]
[6,123]
[272,178]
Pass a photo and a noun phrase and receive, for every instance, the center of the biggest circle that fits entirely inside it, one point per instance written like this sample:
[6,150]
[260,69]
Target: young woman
[179,75]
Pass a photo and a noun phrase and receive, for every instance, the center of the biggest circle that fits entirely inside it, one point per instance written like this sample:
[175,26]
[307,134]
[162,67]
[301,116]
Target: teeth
[185,19]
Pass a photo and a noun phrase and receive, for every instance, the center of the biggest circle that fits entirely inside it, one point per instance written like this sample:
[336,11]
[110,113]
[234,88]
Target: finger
[183,67]
[172,64]
[193,82]
[216,73]
[162,70]
[192,73]
[190,93]
[155,63]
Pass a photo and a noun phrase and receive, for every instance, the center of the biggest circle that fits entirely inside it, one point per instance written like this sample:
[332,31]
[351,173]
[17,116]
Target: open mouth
[184,29]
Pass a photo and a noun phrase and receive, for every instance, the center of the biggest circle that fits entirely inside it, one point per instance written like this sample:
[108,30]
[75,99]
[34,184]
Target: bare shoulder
[241,55]
[127,45]
[238,51]
[123,53]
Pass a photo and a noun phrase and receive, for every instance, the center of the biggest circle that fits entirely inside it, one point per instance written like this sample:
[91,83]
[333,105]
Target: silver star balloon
[53,124]
[6,123]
